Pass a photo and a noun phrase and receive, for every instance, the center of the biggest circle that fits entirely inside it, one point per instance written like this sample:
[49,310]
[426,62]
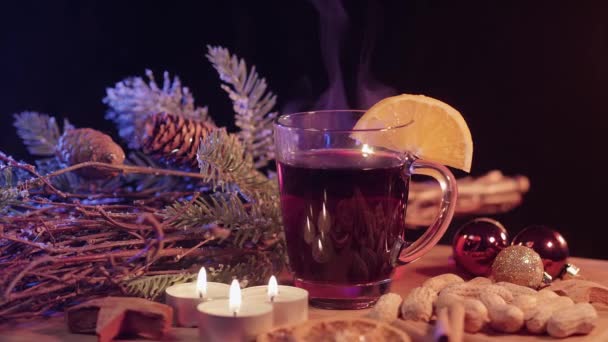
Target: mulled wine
[344,182]
[343,210]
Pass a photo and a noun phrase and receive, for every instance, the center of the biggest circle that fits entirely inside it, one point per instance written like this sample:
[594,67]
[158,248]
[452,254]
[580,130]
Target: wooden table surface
[406,278]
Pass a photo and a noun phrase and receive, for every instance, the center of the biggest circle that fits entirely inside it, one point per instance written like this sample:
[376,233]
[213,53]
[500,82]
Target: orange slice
[336,329]
[437,132]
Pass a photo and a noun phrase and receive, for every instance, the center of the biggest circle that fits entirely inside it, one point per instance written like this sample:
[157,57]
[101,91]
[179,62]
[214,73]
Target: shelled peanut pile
[455,306]
[505,307]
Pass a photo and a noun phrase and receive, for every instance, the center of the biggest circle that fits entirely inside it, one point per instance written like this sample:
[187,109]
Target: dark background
[529,77]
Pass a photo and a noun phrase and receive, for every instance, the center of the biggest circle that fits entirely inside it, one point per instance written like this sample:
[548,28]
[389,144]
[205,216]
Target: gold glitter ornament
[519,265]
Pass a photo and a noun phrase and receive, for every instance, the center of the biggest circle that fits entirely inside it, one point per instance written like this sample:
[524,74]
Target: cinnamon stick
[441,331]
[456,320]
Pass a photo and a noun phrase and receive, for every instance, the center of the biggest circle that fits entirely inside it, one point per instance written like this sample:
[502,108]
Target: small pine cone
[88,145]
[173,139]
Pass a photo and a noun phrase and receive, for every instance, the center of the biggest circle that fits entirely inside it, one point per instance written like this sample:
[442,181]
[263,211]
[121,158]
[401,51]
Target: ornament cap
[547,279]
[569,271]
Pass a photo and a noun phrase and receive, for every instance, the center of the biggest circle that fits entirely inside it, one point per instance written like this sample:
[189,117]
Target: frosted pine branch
[252,103]
[40,132]
[10,180]
[133,99]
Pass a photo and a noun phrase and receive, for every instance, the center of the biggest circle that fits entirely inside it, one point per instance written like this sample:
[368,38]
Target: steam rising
[334,24]
[370,90]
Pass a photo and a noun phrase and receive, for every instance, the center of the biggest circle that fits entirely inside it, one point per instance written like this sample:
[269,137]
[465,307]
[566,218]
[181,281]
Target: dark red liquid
[342,213]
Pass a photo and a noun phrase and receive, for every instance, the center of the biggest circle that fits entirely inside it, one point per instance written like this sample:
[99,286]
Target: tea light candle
[185,297]
[290,304]
[233,319]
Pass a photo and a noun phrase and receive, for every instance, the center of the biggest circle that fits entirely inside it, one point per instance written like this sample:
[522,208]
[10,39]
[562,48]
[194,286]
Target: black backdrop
[529,77]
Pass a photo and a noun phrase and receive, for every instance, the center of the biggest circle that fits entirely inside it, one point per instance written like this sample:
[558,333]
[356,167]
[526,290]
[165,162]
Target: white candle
[185,297]
[290,304]
[233,319]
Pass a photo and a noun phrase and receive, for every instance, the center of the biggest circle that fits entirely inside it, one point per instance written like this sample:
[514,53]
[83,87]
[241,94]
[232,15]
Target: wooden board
[406,278]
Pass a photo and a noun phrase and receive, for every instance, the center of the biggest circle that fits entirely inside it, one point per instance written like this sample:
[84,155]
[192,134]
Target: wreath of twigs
[65,239]
[63,250]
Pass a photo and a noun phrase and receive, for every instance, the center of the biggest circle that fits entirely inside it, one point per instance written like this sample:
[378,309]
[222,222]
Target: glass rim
[278,123]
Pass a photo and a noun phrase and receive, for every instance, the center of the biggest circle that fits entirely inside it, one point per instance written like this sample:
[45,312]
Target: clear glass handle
[410,251]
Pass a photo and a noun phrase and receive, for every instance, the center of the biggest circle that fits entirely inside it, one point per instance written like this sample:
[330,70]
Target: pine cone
[85,144]
[174,139]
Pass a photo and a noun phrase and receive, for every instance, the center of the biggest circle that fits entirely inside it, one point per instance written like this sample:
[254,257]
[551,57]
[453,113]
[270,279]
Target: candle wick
[272,299]
[234,313]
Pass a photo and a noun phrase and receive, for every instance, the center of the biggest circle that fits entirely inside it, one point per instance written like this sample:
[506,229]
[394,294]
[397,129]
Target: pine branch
[252,103]
[225,164]
[247,222]
[144,182]
[66,182]
[250,271]
[40,132]
[223,161]
[253,270]
[151,287]
[10,193]
[133,99]
[47,165]
[8,198]
[131,182]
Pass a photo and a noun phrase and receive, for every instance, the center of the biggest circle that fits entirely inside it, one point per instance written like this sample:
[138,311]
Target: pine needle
[152,287]
[223,160]
[252,103]
[252,270]
[143,182]
[248,222]
[10,193]
[249,271]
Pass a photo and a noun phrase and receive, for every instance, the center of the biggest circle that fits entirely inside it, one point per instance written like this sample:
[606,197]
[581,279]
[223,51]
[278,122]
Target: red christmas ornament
[476,244]
[548,243]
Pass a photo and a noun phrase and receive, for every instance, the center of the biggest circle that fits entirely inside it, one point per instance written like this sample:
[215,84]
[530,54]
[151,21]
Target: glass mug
[344,203]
